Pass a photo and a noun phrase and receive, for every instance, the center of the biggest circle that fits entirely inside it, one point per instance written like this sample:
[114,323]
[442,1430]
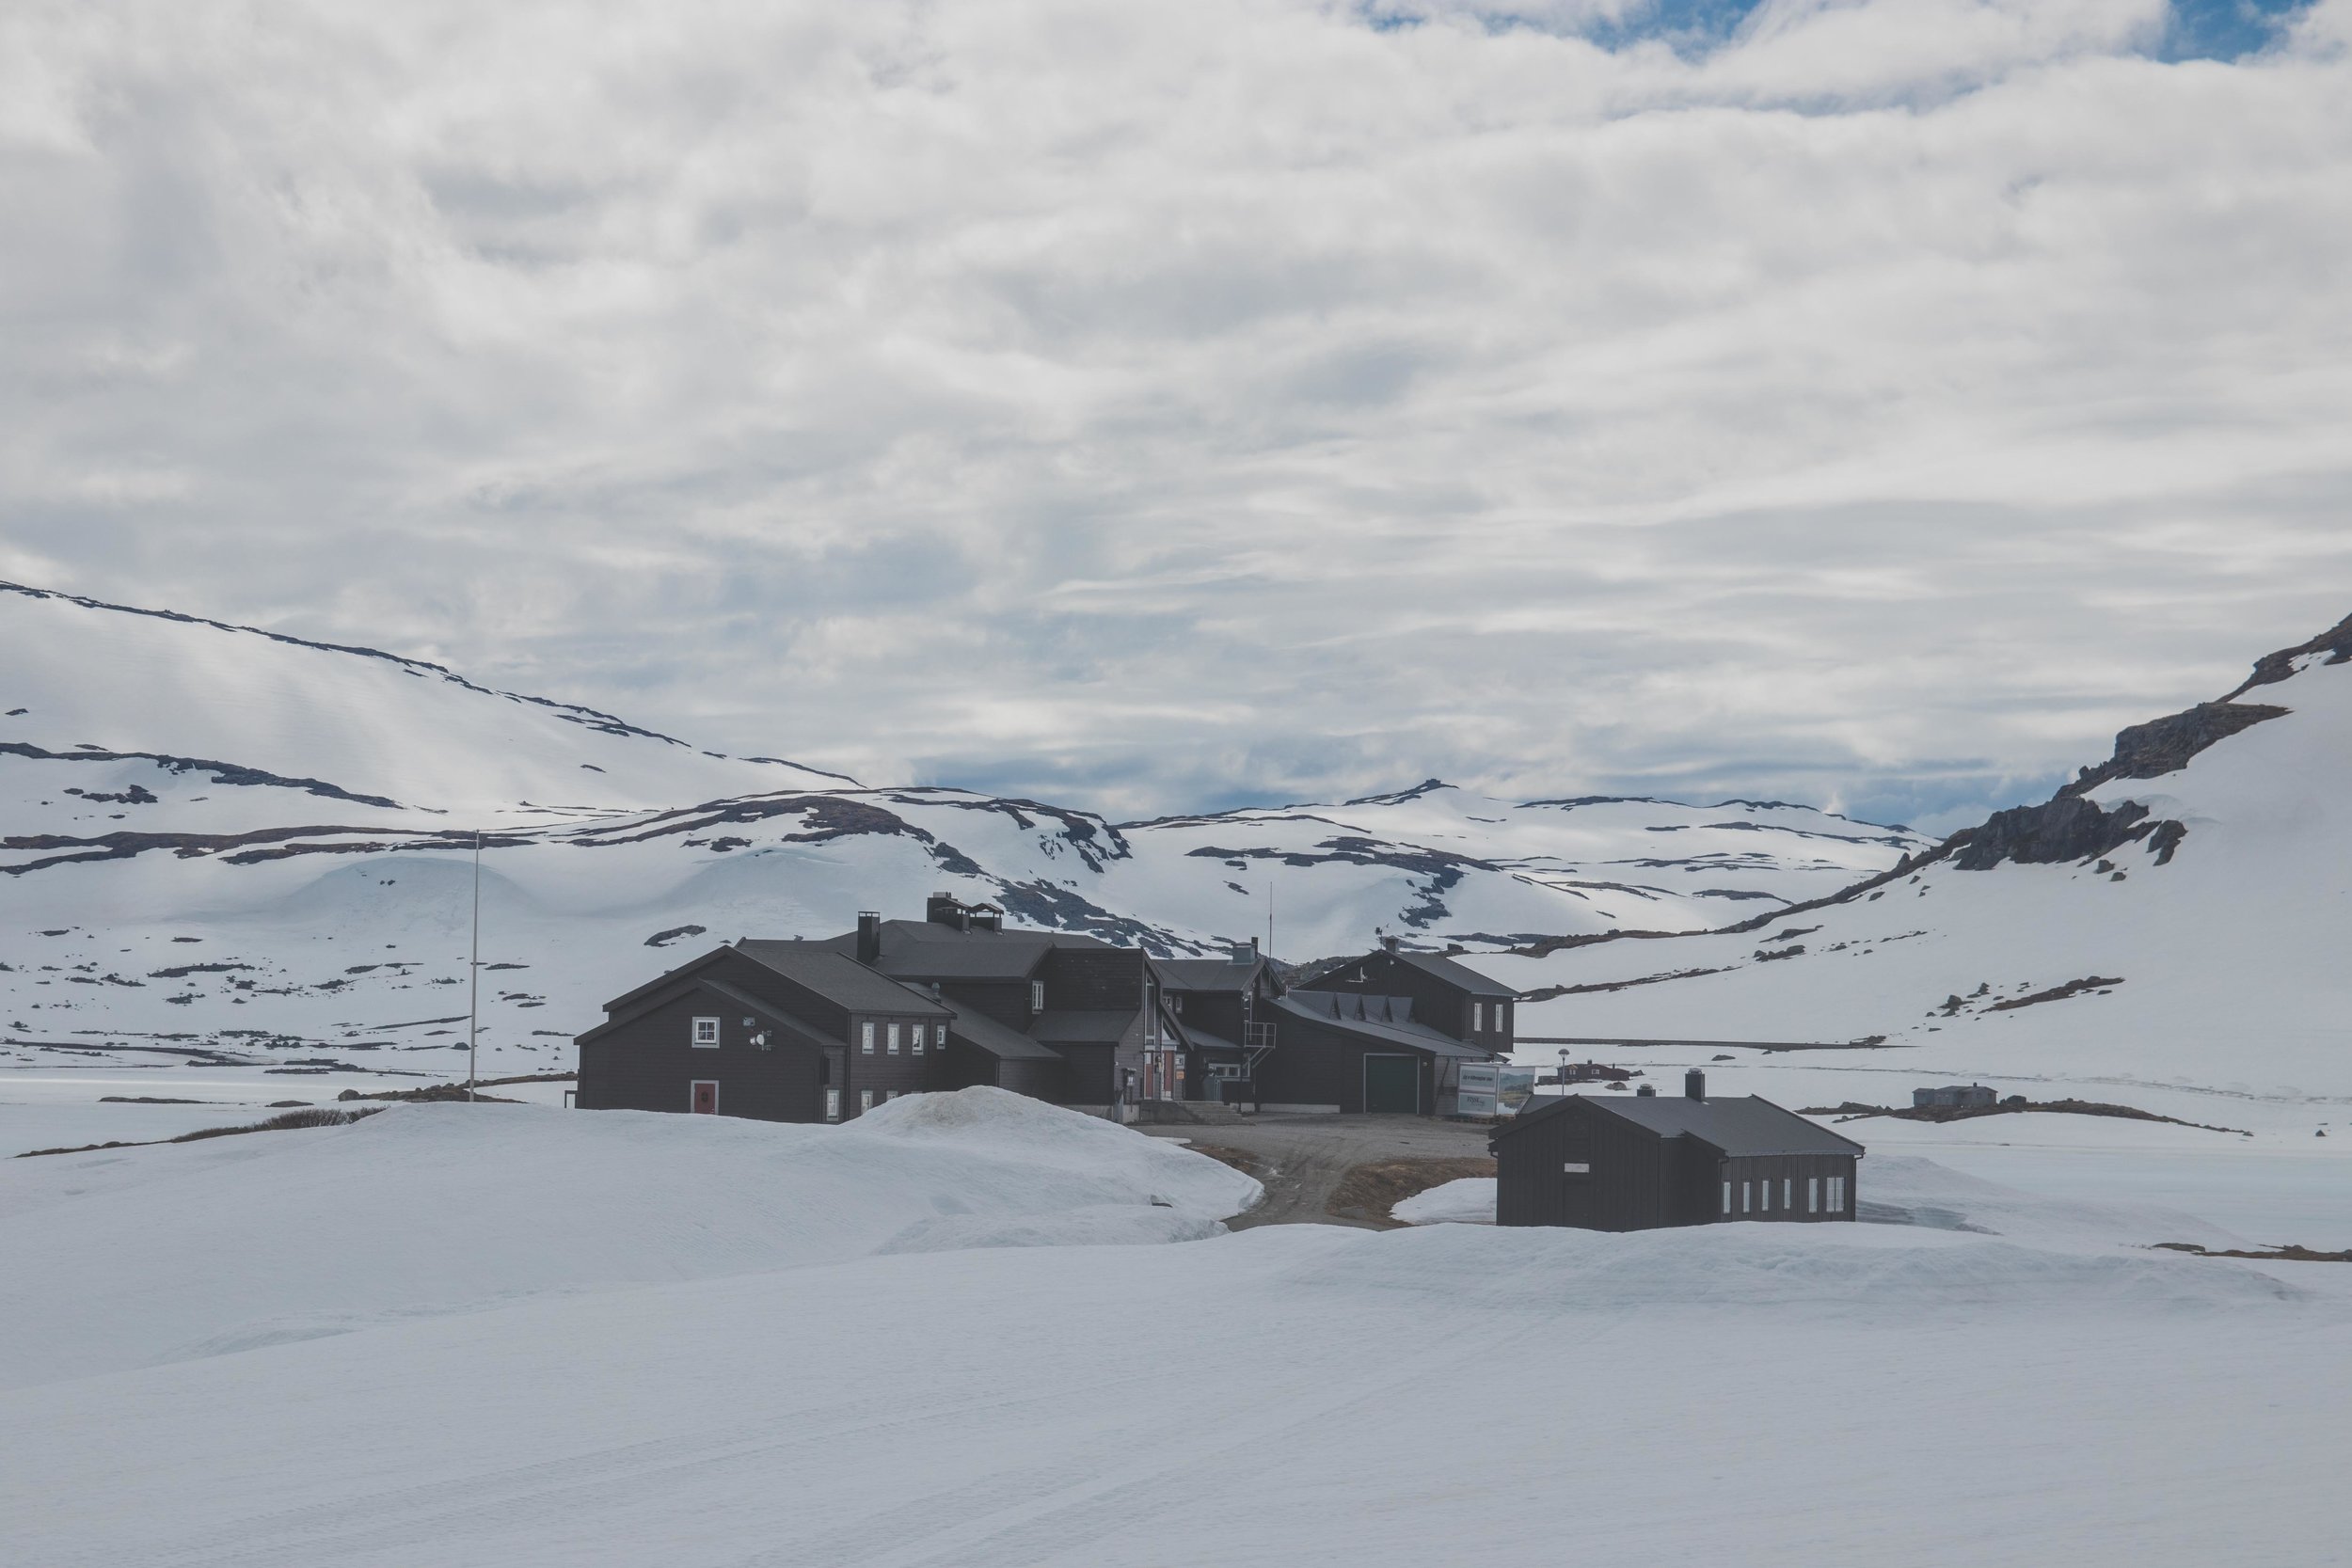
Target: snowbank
[129,1257]
[1468,1201]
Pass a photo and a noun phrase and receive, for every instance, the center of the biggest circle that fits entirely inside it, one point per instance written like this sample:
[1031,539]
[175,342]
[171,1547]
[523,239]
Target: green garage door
[1393,1084]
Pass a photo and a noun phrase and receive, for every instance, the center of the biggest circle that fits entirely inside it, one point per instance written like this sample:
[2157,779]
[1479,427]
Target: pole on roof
[473,973]
[1269,917]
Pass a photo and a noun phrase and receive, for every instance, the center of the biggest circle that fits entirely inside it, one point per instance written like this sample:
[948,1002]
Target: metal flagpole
[473,972]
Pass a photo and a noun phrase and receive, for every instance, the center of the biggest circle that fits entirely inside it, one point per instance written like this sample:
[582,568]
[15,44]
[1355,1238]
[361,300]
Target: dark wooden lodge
[1387,1031]
[1643,1161]
[825,1029]
[822,1031]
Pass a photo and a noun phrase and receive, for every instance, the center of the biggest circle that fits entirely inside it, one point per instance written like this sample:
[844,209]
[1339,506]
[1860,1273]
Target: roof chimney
[1648,1091]
[869,937]
[1694,1085]
[1387,943]
[1246,952]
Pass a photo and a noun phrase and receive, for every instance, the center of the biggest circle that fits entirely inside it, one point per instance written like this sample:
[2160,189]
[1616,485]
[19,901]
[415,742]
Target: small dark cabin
[1643,1162]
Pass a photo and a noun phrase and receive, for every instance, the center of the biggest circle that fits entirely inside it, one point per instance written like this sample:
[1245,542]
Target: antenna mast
[473,974]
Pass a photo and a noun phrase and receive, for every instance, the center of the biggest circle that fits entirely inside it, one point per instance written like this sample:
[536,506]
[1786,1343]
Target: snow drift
[130,1257]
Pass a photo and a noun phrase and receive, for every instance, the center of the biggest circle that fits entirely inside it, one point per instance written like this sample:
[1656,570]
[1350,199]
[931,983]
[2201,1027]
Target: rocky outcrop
[2066,828]
[2165,745]
[2336,643]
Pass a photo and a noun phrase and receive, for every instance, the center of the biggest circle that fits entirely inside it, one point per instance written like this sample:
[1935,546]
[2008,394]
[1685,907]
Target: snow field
[127,1257]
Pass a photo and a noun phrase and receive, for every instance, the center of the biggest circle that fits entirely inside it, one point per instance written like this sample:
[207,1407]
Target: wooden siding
[1314,1063]
[1442,1005]
[1640,1180]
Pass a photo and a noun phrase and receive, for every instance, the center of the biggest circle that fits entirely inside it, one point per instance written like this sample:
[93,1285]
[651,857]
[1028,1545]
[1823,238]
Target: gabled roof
[986,1033]
[1390,1024]
[1207,974]
[926,950]
[839,978]
[1741,1127]
[1437,966]
[1454,974]
[649,1000]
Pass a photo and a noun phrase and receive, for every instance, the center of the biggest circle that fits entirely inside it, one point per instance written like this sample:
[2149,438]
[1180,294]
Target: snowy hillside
[2177,917]
[494,1336]
[217,837]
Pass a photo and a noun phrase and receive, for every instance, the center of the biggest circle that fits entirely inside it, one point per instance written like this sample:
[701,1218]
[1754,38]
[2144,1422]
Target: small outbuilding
[1646,1162]
[1953,1097]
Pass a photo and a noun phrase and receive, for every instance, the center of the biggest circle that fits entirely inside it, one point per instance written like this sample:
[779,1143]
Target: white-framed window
[1175,1004]
[1787,1193]
[1837,1194]
[833,1104]
[1037,996]
[1764,1198]
[865,1100]
[894,1040]
[866,1036]
[1577,1167]
[1726,1198]
[916,1038]
[1812,1194]
[706,1033]
[1747,1194]
[1502,1017]
[1478,1018]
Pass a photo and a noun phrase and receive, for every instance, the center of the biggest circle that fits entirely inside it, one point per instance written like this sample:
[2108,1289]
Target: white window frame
[1788,1195]
[833,1104]
[1726,1195]
[894,1032]
[699,1043]
[915,1042]
[1764,1198]
[865,1100]
[1812,1194]
[1747,1197]
[1175,1002]
[1037,996]
[866,1036]
[1478,1018]
[1837,1194]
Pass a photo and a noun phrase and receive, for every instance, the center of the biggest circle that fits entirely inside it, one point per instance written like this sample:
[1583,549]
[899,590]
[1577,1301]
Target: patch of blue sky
[2199,29]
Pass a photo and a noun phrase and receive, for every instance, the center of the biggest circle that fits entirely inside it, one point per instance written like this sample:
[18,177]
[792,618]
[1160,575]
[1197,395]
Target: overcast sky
[1158,408]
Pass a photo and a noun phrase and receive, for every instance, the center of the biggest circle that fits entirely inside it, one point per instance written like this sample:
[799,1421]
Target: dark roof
[839,978]
[1385,1019]
[926,950]
[1202,1039]
[1743,1126]
[749,1003]
[1454,974]
[1207,974]
[986,1033]
[1077,1026]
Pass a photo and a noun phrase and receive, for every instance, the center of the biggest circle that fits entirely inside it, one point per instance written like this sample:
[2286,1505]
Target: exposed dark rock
[2336,643]
[2165,745]
[2057,993]
[660,939]
[2067,828]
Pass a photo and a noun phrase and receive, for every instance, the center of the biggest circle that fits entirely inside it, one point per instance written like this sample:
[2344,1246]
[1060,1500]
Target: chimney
[986,917]
[1648,1091]
[1246,952]
[1388,944]
[940,909]
[869,937]
[1694,1085]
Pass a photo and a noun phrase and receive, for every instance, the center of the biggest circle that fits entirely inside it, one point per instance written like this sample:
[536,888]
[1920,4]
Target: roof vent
[1648,1091]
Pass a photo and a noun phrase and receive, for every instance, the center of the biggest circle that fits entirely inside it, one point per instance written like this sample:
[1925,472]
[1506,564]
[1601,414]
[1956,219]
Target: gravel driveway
[1302,1159]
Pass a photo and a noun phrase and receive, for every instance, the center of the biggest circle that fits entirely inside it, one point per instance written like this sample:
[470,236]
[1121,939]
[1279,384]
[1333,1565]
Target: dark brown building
[1643,1161]
[1222,1013]
[1451,999]
[821,1031]
[1386,1032]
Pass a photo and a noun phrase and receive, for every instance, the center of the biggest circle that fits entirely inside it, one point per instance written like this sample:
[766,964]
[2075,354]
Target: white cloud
[1168,405]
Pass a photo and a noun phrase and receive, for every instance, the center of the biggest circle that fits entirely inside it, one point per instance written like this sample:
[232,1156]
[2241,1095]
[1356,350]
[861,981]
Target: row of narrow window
[1478,1016]
[865,1101]
[1755,1197]
[919,1037]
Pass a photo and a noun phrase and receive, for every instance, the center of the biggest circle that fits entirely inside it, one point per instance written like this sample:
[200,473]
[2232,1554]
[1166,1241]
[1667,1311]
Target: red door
[706,1096]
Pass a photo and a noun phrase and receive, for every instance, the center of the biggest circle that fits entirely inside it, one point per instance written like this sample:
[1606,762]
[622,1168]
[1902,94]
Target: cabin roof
[1741,1126]
[1385,1019]
[997,1040]
[839,978]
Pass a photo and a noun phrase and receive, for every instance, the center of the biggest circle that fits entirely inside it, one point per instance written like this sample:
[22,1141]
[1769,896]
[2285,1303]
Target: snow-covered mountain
[215,835]
[2177,915]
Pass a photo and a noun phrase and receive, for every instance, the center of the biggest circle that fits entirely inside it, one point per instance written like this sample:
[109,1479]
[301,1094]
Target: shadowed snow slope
[2207,950]
[1459,1394]
[215,836]
[129,1257]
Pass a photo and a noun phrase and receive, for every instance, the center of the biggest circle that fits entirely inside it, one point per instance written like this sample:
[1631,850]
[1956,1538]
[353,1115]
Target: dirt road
[1303,1159]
